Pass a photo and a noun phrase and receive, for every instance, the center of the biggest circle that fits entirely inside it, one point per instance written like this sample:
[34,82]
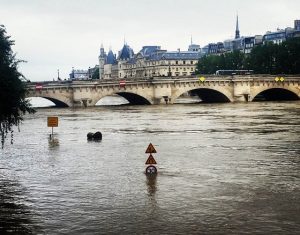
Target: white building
[149,62]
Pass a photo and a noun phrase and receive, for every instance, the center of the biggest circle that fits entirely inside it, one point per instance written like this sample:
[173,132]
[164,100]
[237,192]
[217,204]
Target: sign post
[151,170]
[52,122]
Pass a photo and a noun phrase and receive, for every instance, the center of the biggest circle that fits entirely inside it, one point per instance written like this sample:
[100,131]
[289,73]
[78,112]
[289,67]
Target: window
[192,62]
[176,62]
[183,62]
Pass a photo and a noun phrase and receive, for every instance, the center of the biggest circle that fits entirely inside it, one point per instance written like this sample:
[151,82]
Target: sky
[54,35]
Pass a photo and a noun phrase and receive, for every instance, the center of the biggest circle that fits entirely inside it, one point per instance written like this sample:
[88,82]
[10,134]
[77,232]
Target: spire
[237,31]
[191,39]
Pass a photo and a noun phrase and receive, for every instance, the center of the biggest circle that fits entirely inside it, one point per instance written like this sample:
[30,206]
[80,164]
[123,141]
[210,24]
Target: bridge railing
[208,77]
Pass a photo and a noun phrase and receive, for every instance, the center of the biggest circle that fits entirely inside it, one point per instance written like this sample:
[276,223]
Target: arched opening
[112,100]
[134,99]
[188,98]
[209,95]
[44,102]
[276,94]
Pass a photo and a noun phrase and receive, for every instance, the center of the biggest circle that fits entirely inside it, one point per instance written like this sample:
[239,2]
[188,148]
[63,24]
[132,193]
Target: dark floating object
[90,136]
[94,136]
[97,136]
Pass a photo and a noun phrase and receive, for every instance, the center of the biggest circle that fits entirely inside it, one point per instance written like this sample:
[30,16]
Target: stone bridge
[166,90]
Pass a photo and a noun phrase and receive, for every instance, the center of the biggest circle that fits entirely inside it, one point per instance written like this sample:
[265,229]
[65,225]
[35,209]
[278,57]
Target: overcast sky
[61,34]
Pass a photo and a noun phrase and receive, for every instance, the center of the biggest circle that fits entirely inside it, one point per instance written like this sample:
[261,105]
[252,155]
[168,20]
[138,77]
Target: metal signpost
[151,170]
[52,122]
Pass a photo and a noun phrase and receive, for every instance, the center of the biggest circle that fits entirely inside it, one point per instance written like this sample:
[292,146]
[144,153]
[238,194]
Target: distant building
[150,61]
[82,74]
[297,25]
[79,74]
[111,66]
[215,48]
[102,59]
[282,35]
[194,47]
[276,37]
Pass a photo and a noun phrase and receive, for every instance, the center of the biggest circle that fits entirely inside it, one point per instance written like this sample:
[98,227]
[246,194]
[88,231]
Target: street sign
[52,121]
[122,83]
[151,170]
[150,160]
[38,87]
[150,149]
[202,79]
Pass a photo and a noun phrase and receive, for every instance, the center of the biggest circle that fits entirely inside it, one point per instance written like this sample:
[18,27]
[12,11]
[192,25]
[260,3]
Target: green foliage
[263,59]
[12,90]
[95,74]
[211,63]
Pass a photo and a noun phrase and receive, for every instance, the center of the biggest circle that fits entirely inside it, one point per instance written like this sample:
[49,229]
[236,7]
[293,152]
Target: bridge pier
[241,90]
[162,92]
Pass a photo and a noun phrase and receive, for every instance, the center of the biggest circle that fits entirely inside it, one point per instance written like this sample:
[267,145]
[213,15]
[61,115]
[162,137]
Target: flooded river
[222,169]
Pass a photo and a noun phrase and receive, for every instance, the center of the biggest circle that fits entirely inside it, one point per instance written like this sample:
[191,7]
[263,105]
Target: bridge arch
[207,95]
[61,100]
[275,94]
[58,103]
[134,98]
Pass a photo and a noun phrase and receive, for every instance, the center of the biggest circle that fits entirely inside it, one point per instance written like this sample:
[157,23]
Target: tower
[102,58]
[297,24]
[237,31]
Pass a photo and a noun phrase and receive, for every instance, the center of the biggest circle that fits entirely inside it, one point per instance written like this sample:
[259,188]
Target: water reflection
[53,142]
[151,184]
[15,217]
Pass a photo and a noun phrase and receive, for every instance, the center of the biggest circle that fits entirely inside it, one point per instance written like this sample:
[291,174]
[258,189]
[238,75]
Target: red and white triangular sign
[150,160]
[150,149]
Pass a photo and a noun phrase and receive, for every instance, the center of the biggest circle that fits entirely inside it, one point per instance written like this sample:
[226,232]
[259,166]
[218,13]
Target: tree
[13,104]
[95,74]
[268,58]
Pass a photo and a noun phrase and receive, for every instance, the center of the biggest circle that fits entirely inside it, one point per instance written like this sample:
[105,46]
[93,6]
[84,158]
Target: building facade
[150,61]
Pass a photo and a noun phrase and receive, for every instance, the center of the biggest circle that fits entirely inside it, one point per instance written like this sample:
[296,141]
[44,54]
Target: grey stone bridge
[166,90]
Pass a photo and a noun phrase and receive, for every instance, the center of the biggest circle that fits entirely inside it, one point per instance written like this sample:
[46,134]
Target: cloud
[64,34]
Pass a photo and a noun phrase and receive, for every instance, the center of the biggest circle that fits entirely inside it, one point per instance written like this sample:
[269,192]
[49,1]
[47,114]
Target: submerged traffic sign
[52,121]
[150,160]
[151,170]
[150,149]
